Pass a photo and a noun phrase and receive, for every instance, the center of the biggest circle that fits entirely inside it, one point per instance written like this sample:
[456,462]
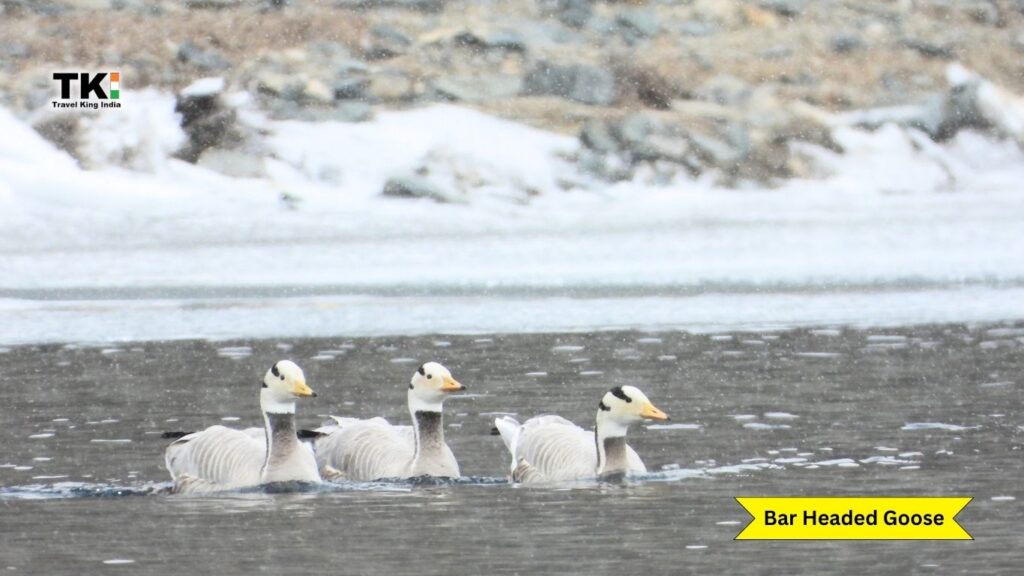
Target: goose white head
[429,386]
[282,384]
[622,406]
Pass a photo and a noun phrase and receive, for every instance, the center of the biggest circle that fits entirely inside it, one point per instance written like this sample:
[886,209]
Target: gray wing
[216,458]
[366,449]
[555,450]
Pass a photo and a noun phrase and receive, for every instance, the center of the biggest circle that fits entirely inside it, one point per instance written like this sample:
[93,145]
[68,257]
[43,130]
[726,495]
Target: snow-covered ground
[900,231]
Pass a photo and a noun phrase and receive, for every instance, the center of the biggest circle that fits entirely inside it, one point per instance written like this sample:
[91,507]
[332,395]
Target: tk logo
[102,86]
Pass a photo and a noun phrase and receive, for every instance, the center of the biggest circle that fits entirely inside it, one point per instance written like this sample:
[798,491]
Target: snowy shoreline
[897,230]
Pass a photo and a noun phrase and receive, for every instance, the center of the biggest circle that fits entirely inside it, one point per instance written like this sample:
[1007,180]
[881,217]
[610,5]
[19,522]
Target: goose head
[282,385]
[429,386]
[623,406]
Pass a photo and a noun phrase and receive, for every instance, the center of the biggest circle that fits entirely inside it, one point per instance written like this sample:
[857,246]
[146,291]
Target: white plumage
[552,449]
[220,458]
[375,449]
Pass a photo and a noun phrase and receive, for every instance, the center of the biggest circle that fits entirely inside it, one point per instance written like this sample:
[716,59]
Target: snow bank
[895,214]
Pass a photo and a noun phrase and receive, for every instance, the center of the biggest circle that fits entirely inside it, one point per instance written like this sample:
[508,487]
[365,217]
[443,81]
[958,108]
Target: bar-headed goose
[220,458]
[553,449]
[374,449]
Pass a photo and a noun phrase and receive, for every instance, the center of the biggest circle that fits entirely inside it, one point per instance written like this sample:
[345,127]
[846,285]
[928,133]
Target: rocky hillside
[684,86]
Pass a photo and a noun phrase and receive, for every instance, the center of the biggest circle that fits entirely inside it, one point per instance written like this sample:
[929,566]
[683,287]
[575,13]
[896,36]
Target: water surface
[915,411]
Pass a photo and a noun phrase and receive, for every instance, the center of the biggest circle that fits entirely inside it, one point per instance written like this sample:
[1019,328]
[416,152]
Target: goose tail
[508,428]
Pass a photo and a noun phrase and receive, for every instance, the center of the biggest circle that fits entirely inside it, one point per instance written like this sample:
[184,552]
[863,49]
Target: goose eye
[429,376]
[282,377]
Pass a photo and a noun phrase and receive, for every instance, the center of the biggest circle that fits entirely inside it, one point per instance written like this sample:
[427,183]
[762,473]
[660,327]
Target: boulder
[724,89]
[204,59]
[216,139]
[478,88]
[418,5]
[491,39]
[971,102]
[319,80]
[384,42]
[419,187]
[572,13]
[580,82]
[846,42]
[786,8]
[212,4]
[637,24]
[205,118]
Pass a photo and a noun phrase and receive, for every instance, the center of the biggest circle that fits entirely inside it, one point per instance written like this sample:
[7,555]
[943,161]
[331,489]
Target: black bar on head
[618,393]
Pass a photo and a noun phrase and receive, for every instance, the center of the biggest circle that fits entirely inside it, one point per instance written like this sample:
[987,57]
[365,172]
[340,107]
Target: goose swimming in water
[221,458]
[553,449]
[374,449]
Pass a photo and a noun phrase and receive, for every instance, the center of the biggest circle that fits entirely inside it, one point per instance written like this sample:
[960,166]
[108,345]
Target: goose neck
[429,431]
[610,440]
[282,440]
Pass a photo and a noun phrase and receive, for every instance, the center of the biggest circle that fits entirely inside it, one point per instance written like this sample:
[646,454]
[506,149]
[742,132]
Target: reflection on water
[922,411]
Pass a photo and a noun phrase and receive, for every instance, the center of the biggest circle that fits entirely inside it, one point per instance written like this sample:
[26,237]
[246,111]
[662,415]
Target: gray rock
[929,49]
[478,88]
[787,8]
[607,167]
[573,13]
[636,24]
[597,135]
[205,59]
[846,42]
[272,82]
[385,42]
[351,79]
[724,89]
[716,152]
[207,122]
[20,7]
[985,12]
[634,129]
[580,82]
[496,39]
[347,87]
[329,52]
[15,50]
[212,4]
[695,28]
[418,187]
[419,5]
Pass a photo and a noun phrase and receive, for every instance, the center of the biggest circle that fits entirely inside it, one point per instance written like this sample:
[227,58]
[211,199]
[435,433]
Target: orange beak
[451,385]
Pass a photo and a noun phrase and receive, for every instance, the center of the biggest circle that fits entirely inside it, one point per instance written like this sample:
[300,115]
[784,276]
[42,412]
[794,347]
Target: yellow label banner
[855,518]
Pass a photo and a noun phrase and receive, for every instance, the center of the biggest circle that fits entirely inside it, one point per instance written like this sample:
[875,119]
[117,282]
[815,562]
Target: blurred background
[370,167]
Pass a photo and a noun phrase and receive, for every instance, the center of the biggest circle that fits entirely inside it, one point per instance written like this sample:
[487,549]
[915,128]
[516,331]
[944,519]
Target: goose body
[220,458]
[375,449]
[552,449]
